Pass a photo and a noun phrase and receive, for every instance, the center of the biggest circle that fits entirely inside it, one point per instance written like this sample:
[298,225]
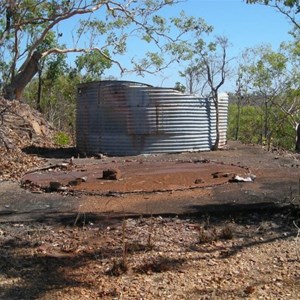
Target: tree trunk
[238,119]
[298,138]
[266,125]
[39,94]
[14,90]
[216,103]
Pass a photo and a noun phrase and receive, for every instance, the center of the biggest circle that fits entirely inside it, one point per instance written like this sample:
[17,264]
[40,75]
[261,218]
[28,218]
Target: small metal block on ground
[111,174]
[54,186]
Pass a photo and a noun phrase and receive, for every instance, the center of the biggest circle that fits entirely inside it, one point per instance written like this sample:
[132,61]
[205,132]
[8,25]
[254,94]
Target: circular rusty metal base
[139,176]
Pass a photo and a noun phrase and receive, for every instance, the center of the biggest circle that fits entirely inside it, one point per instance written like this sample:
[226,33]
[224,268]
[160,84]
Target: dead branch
[297,240]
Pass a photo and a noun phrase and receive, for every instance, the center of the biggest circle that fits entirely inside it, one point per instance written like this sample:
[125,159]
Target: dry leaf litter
[252,257]
[20,127]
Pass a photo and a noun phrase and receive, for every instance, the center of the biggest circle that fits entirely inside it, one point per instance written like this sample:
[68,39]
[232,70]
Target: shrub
[62,139]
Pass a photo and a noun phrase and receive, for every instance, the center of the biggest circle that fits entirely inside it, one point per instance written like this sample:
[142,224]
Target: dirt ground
[173,226]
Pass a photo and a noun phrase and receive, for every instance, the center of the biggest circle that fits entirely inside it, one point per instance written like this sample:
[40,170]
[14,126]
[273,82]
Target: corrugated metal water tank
[129,118]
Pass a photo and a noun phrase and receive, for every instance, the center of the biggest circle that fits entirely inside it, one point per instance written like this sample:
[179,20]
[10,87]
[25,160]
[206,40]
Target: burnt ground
[166,184]
[172,226]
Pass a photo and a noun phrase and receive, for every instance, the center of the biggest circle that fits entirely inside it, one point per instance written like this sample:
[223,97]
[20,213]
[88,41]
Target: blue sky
[244,25]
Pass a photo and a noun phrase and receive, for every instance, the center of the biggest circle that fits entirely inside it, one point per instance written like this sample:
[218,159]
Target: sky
[243,24]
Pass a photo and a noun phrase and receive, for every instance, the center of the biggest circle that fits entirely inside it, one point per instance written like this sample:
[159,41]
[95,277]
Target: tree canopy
[31,30]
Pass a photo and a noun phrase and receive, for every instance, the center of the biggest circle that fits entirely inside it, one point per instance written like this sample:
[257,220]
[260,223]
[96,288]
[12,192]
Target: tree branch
[287,14]
[82,50]
[7,26]
[84,10]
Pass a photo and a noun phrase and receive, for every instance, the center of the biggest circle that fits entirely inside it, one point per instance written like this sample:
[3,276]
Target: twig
[78,217]
[297,240]
[61,165]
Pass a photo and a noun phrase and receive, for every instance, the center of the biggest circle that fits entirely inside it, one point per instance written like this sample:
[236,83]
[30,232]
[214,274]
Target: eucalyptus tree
[272,77]
[192,77]
[290,102]
[240,94]
[208,71]
[106,26]
[180,87]
[53,66]
[93,64]
[290,9]
[215,62]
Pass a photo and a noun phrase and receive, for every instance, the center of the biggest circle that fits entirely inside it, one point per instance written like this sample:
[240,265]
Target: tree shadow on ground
[58,153]
[216,212]
[35,274]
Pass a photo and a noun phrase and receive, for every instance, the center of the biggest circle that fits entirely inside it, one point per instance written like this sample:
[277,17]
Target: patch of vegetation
[62,139]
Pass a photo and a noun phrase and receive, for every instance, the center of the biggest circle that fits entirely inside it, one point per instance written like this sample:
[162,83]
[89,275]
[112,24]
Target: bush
[251,126]
[62,139]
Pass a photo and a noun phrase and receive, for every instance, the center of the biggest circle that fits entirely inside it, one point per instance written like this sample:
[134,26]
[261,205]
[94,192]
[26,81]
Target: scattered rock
[75,182]
[111,174]
[221,175]
[199,181]
[84,179]
[249,289]
[100,156]
[54,186]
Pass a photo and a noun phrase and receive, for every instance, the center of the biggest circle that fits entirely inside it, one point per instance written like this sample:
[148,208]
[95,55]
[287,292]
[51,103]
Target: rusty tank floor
[173,184]
[139,176]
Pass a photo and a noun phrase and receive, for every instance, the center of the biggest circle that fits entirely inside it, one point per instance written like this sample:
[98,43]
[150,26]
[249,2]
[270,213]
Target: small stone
[249,289]
[199,180]
[221,175]
[62,189]
[75,182]
[100,156]
[84,179]
[111,174]
[37,192]
[54,186]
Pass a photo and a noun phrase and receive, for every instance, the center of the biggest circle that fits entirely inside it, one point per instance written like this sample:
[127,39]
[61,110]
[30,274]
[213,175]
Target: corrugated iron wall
[127,118]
